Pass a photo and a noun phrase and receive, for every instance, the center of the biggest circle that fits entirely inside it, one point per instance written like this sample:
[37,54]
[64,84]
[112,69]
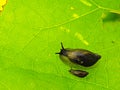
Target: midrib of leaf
[105,8]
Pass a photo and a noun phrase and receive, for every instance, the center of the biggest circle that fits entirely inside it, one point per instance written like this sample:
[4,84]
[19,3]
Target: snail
[76,58]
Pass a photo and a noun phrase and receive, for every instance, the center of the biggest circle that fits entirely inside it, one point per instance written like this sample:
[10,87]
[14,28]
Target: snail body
[78,57]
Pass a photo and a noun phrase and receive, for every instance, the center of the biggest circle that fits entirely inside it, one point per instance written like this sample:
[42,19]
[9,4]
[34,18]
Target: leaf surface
[31,32]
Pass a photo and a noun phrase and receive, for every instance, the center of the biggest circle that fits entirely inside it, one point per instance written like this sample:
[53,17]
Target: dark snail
[76,57]
[78,73]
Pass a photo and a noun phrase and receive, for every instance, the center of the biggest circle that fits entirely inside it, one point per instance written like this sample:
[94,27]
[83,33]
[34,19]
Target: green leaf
[30,35]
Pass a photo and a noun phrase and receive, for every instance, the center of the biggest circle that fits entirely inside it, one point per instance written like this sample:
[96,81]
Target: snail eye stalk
[57,53]
[62,45]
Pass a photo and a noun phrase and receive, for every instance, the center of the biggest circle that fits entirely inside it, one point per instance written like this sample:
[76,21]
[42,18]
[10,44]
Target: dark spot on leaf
[111,17]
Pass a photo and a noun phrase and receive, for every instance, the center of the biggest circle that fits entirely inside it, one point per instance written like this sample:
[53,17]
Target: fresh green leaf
[30,35]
